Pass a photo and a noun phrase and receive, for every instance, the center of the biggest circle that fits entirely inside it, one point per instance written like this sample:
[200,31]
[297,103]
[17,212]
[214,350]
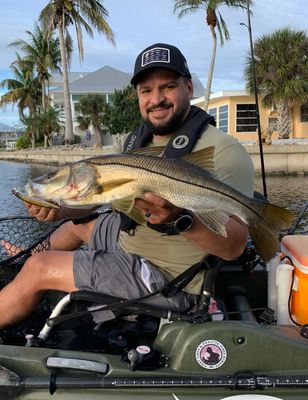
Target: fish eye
[50,175]
[98,189]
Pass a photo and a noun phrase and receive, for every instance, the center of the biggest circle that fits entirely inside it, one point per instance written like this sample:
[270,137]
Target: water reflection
[288,191]
[16,175]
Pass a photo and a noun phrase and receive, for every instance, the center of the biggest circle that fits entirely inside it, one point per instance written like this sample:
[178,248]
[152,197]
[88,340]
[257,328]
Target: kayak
[248,341]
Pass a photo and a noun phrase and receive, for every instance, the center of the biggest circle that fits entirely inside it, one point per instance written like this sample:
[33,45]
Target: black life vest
[178,146]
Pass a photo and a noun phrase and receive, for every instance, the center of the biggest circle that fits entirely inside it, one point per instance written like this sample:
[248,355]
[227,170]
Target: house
[8,136]
[104,81]
[235,113]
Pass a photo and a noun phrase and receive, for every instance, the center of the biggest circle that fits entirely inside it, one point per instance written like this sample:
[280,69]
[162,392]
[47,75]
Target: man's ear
[190,88]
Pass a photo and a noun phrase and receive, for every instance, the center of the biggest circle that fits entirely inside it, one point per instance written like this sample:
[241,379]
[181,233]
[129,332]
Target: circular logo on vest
[180,142]
[211,354]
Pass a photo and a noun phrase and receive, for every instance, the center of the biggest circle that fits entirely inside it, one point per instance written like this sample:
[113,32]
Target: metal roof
[108,79]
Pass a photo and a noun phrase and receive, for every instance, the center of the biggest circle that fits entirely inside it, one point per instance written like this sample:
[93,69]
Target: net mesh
[19,237]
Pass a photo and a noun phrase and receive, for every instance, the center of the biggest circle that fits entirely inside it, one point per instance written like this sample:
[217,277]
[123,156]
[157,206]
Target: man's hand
[43,213]
[156,209]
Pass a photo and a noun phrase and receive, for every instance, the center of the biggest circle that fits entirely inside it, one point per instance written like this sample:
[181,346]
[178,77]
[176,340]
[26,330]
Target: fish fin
[215,220]
[110,185]
[35,200]
[203,158]
[136,215]
[155,151]
[264,231]
[126,206]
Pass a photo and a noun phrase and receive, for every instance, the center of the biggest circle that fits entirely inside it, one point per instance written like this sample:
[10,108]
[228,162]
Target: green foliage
[123,115]
[281,66]
[92,110]
[23,142]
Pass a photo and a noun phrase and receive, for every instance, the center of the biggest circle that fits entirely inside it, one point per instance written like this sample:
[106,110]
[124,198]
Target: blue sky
[139,23]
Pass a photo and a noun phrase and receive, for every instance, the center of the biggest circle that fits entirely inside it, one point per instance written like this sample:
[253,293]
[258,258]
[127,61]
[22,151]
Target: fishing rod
[255,89]
[292,229]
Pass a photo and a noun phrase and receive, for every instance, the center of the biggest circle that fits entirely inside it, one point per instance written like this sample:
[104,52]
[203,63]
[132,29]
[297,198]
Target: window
[213,112]
[246,118]
[223,118]
[272,124]
[304,113]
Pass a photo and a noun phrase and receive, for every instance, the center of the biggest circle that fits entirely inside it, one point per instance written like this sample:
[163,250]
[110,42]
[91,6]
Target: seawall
[282,159]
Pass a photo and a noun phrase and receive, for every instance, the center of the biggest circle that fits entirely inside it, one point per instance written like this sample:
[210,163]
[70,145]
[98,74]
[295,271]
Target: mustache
[163,104]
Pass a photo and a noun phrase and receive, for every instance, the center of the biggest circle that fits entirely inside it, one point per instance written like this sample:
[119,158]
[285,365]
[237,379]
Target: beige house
[234,111]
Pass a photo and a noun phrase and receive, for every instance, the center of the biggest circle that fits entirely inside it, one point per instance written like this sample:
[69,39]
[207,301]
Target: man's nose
[157,96]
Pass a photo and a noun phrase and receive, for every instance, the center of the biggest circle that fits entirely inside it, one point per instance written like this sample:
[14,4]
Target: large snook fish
[187,182]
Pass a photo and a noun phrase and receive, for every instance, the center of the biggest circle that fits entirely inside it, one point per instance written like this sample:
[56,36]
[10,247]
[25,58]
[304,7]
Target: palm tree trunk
[98,135]
[69,132]
[283,123]
[211,69]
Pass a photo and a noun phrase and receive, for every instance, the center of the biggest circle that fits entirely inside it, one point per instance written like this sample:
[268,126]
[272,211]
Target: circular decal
[180,142]
[211,354]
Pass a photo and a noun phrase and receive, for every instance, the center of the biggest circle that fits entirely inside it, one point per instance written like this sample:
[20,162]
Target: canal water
[290,191]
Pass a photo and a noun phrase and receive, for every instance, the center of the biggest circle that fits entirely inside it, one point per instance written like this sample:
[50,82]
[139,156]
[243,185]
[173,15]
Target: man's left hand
[156,209]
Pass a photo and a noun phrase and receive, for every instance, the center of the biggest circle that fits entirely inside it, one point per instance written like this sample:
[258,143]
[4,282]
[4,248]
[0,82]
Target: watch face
[183,223]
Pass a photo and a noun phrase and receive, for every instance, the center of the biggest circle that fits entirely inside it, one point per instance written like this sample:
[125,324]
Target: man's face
[164,99]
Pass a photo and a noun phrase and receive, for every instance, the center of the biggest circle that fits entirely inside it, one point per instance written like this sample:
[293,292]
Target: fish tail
[265,230]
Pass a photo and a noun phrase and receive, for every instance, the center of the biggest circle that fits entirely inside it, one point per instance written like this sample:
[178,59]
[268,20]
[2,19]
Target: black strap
[178,146]
[169,290]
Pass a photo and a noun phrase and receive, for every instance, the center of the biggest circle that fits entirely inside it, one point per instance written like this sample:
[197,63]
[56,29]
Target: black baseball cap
[160,55]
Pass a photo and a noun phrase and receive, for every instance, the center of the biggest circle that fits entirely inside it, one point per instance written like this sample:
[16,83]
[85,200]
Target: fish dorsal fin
[155,151]
[203,158]
[215,220]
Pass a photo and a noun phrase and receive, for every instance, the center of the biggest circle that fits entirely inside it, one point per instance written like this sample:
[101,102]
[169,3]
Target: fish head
[70,183]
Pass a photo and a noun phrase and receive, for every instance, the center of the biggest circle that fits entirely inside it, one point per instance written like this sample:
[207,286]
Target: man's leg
[70,236]
[41,272]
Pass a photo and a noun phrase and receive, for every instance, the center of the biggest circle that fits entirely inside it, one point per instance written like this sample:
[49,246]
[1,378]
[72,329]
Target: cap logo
[157,54]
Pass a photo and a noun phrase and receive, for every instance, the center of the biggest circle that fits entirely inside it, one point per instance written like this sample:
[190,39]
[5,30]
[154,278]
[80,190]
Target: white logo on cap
[157,54]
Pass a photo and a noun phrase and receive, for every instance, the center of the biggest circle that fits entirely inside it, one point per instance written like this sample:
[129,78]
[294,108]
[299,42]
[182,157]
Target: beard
[165,128]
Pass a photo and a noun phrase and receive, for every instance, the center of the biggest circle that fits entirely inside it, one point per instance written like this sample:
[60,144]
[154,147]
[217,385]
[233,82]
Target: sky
[140,23]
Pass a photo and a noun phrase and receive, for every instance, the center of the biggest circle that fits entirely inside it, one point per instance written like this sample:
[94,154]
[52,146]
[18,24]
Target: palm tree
[281,66]
[214,20]
[92,109]
[49,121]
[60,14]
[44,54]
[24,89]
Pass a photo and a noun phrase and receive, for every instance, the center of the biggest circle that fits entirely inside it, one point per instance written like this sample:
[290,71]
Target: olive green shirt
[174,254]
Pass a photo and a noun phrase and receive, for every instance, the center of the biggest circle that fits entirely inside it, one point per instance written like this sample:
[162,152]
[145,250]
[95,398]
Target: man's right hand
[43,213]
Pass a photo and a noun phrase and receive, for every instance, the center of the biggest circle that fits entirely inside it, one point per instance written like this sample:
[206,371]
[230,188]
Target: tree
[60,14]
[44,54]
[92,109]
[49,121]
[122,114]
[24,89]
[281,67]
[214,20]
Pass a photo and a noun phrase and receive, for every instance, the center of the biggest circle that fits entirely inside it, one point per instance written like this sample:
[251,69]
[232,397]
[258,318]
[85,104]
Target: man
[131,263]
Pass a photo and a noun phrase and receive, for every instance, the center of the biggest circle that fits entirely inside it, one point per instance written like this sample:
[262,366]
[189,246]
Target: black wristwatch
[183,223]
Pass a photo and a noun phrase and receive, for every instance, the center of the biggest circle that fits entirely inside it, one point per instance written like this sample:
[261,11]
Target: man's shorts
[107,269]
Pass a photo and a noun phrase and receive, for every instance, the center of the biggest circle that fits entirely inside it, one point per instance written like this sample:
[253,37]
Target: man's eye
[145,91]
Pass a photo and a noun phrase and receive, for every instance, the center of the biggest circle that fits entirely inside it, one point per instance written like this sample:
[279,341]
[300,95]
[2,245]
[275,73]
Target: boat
[247,339]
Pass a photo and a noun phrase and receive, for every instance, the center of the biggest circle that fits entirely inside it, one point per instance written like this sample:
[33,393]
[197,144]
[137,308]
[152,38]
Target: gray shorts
[107,269]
